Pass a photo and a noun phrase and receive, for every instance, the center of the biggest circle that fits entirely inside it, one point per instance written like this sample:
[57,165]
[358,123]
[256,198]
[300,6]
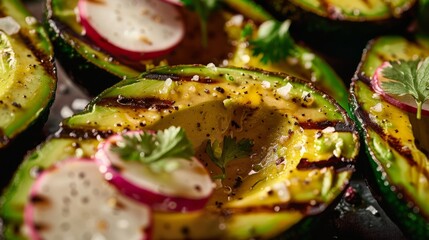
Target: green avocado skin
[78,67]
[402,203]
[28,87]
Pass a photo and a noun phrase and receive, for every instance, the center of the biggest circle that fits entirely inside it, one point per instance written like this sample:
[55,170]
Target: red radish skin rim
[29,210]
[158,201]
[376,85]
[111,49]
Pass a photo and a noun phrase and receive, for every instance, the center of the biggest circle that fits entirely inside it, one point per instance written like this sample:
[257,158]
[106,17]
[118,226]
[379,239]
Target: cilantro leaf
[408,78]
[150,148]
[231,150]
[203,8]
[272,42]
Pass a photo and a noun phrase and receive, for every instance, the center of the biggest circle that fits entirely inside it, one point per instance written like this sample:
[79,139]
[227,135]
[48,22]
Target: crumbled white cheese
[328,130]
[284,138]
[79,104]
[9,25]
[192,89]
[308,57]
[195,78]
[376,96]
[292,60]
[282,191]
[305,94]
[337,151]
[212,66]
[66,112]
[266,84]
[167,84]
[236,20]
[245,58]
[377,107]
[308,65]
[284,91]
[30,20]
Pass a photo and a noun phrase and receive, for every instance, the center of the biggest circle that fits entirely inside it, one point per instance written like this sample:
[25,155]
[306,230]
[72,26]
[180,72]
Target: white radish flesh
[186,188]
[133,29]
[406,102]
[73,201]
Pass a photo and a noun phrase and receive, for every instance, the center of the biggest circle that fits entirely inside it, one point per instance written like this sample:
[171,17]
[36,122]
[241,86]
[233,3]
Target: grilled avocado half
[95,69]
[327,25]
[28,81]
[303,154]
[397,144]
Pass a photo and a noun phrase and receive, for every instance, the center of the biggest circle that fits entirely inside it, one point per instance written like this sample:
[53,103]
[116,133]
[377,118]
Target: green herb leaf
[203,8]
[150,148]
[231,150]
[408,78]
[273,41]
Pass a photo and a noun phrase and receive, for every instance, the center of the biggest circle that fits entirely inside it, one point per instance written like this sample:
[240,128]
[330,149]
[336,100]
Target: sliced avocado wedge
[28,81]
[355,11]
[328,25]
[396,142]
[303,64]
[302,159]
[96,70]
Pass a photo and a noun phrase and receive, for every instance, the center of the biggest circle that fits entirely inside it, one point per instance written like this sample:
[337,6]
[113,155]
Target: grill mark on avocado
[304,208]
[392,141]
[163,77]
[82,133]
[44,61]
[146,103]
[338,163]
[339,126]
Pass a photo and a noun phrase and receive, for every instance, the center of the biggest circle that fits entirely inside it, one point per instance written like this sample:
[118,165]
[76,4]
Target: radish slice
[132,29]
[74,200]
[186,188]
[405,102]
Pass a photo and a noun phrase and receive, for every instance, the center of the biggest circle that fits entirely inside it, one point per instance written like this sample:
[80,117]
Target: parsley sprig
[408,78]
[231,150]
[203,8]
[273,41]
[151,148]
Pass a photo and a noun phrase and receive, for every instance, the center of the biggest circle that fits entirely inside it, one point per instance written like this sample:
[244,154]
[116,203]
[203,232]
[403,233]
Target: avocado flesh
[371,10]
[230,50]
[28,76]
[282,192]
[396,144]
